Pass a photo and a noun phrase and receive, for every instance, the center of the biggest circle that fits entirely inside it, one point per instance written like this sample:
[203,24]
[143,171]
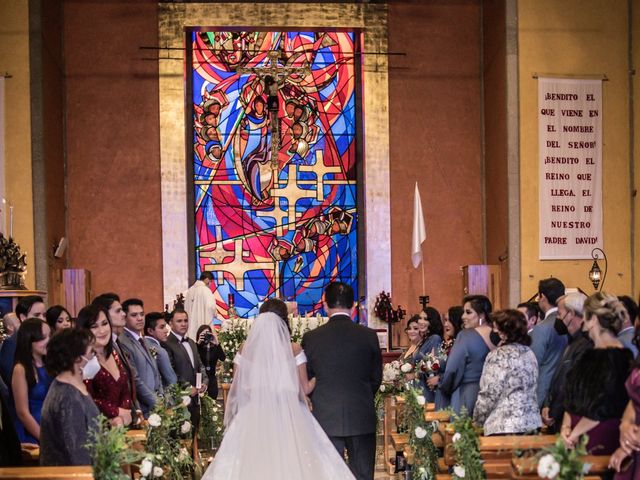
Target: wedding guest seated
[568,322]
[109,388]
[507,401]
[532,312]
[595,395]
[210,353]
[156,331]
[628,331]
[461,379]
[30,381]
[546,343]
[68,411]
[58,318]
[430,326]
[10,323]
[451,326]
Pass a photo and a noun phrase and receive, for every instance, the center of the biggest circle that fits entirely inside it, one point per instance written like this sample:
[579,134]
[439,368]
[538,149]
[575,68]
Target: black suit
[185,371]
[346,361]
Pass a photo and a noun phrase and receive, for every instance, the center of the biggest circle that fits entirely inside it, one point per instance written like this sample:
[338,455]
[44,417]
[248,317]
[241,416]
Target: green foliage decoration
[466,445]
[110,450]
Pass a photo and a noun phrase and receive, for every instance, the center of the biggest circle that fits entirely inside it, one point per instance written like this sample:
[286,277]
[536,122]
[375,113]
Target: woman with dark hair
[451,326]
[595,395]
[109,387]
[58,318]
[430,326]
[461,379]
[210,352]
[30,381]
[68,412]
[507,401]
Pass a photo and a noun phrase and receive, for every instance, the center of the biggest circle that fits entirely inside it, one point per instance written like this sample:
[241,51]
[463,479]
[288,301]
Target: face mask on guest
[560,327]
[91,369]
[494,337]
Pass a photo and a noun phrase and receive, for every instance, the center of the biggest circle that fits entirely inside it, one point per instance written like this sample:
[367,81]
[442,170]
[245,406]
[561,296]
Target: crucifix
[274,76]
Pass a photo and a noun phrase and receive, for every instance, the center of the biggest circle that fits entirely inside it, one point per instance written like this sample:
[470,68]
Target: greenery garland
[169,432]
[425,454]
[211,423]
[110,450]
[561,463]
[466,445]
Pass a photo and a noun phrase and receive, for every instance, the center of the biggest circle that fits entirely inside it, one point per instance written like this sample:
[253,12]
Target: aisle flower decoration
[560,463]
[425,454]
[466,446]
[110,450]
[232,335]
[211,423]
[169,432]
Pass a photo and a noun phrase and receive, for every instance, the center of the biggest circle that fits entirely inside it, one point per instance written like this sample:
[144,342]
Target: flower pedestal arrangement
[13,265]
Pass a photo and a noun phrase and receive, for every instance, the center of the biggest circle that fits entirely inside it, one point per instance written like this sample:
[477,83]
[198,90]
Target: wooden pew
[526,468]
[46,473]
[497,451]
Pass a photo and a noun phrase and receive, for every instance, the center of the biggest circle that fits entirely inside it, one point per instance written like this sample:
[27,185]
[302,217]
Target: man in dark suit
[346,361]
[183,353]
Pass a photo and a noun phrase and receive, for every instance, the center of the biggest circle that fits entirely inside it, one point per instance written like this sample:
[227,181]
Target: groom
[346,361]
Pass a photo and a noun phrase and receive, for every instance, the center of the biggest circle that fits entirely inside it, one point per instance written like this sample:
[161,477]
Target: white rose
[186,427]
[406,367]
[145,467]
[548,467]
[421,399]
[420,432]
[186,400]
[456,437]
[383,387]
[155,420]
[157,472]
[458,471]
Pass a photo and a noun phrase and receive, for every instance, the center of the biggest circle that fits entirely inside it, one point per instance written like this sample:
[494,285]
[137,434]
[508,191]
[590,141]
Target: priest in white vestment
[200,304]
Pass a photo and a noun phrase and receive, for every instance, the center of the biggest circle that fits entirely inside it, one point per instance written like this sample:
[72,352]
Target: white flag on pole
[419,230]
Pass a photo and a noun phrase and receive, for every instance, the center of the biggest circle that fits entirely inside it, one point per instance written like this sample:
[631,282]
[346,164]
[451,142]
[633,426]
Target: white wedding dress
[270,432]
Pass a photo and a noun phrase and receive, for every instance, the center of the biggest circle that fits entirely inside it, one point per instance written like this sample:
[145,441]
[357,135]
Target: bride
[270,432]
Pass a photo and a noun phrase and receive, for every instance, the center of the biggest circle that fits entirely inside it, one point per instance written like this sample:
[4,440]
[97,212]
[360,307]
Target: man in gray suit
[148,381]
[156,331]
[547,344]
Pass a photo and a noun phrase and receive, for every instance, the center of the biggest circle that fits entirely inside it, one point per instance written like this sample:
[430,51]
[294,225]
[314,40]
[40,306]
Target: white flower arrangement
[406,368]
[548,466]
[186,427]
[146,467]
[459,471]
[154,420]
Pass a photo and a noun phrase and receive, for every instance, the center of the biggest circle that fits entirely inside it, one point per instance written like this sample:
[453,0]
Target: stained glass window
[274,163]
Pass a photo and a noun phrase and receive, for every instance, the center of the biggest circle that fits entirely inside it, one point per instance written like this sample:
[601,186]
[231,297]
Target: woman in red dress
[109,388]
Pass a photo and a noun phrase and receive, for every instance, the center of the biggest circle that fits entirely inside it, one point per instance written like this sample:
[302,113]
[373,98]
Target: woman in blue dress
[430,326]
[451,327]
[30,381]
[461,379]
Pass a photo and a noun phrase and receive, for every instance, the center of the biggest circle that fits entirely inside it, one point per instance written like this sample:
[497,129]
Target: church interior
[445,97]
